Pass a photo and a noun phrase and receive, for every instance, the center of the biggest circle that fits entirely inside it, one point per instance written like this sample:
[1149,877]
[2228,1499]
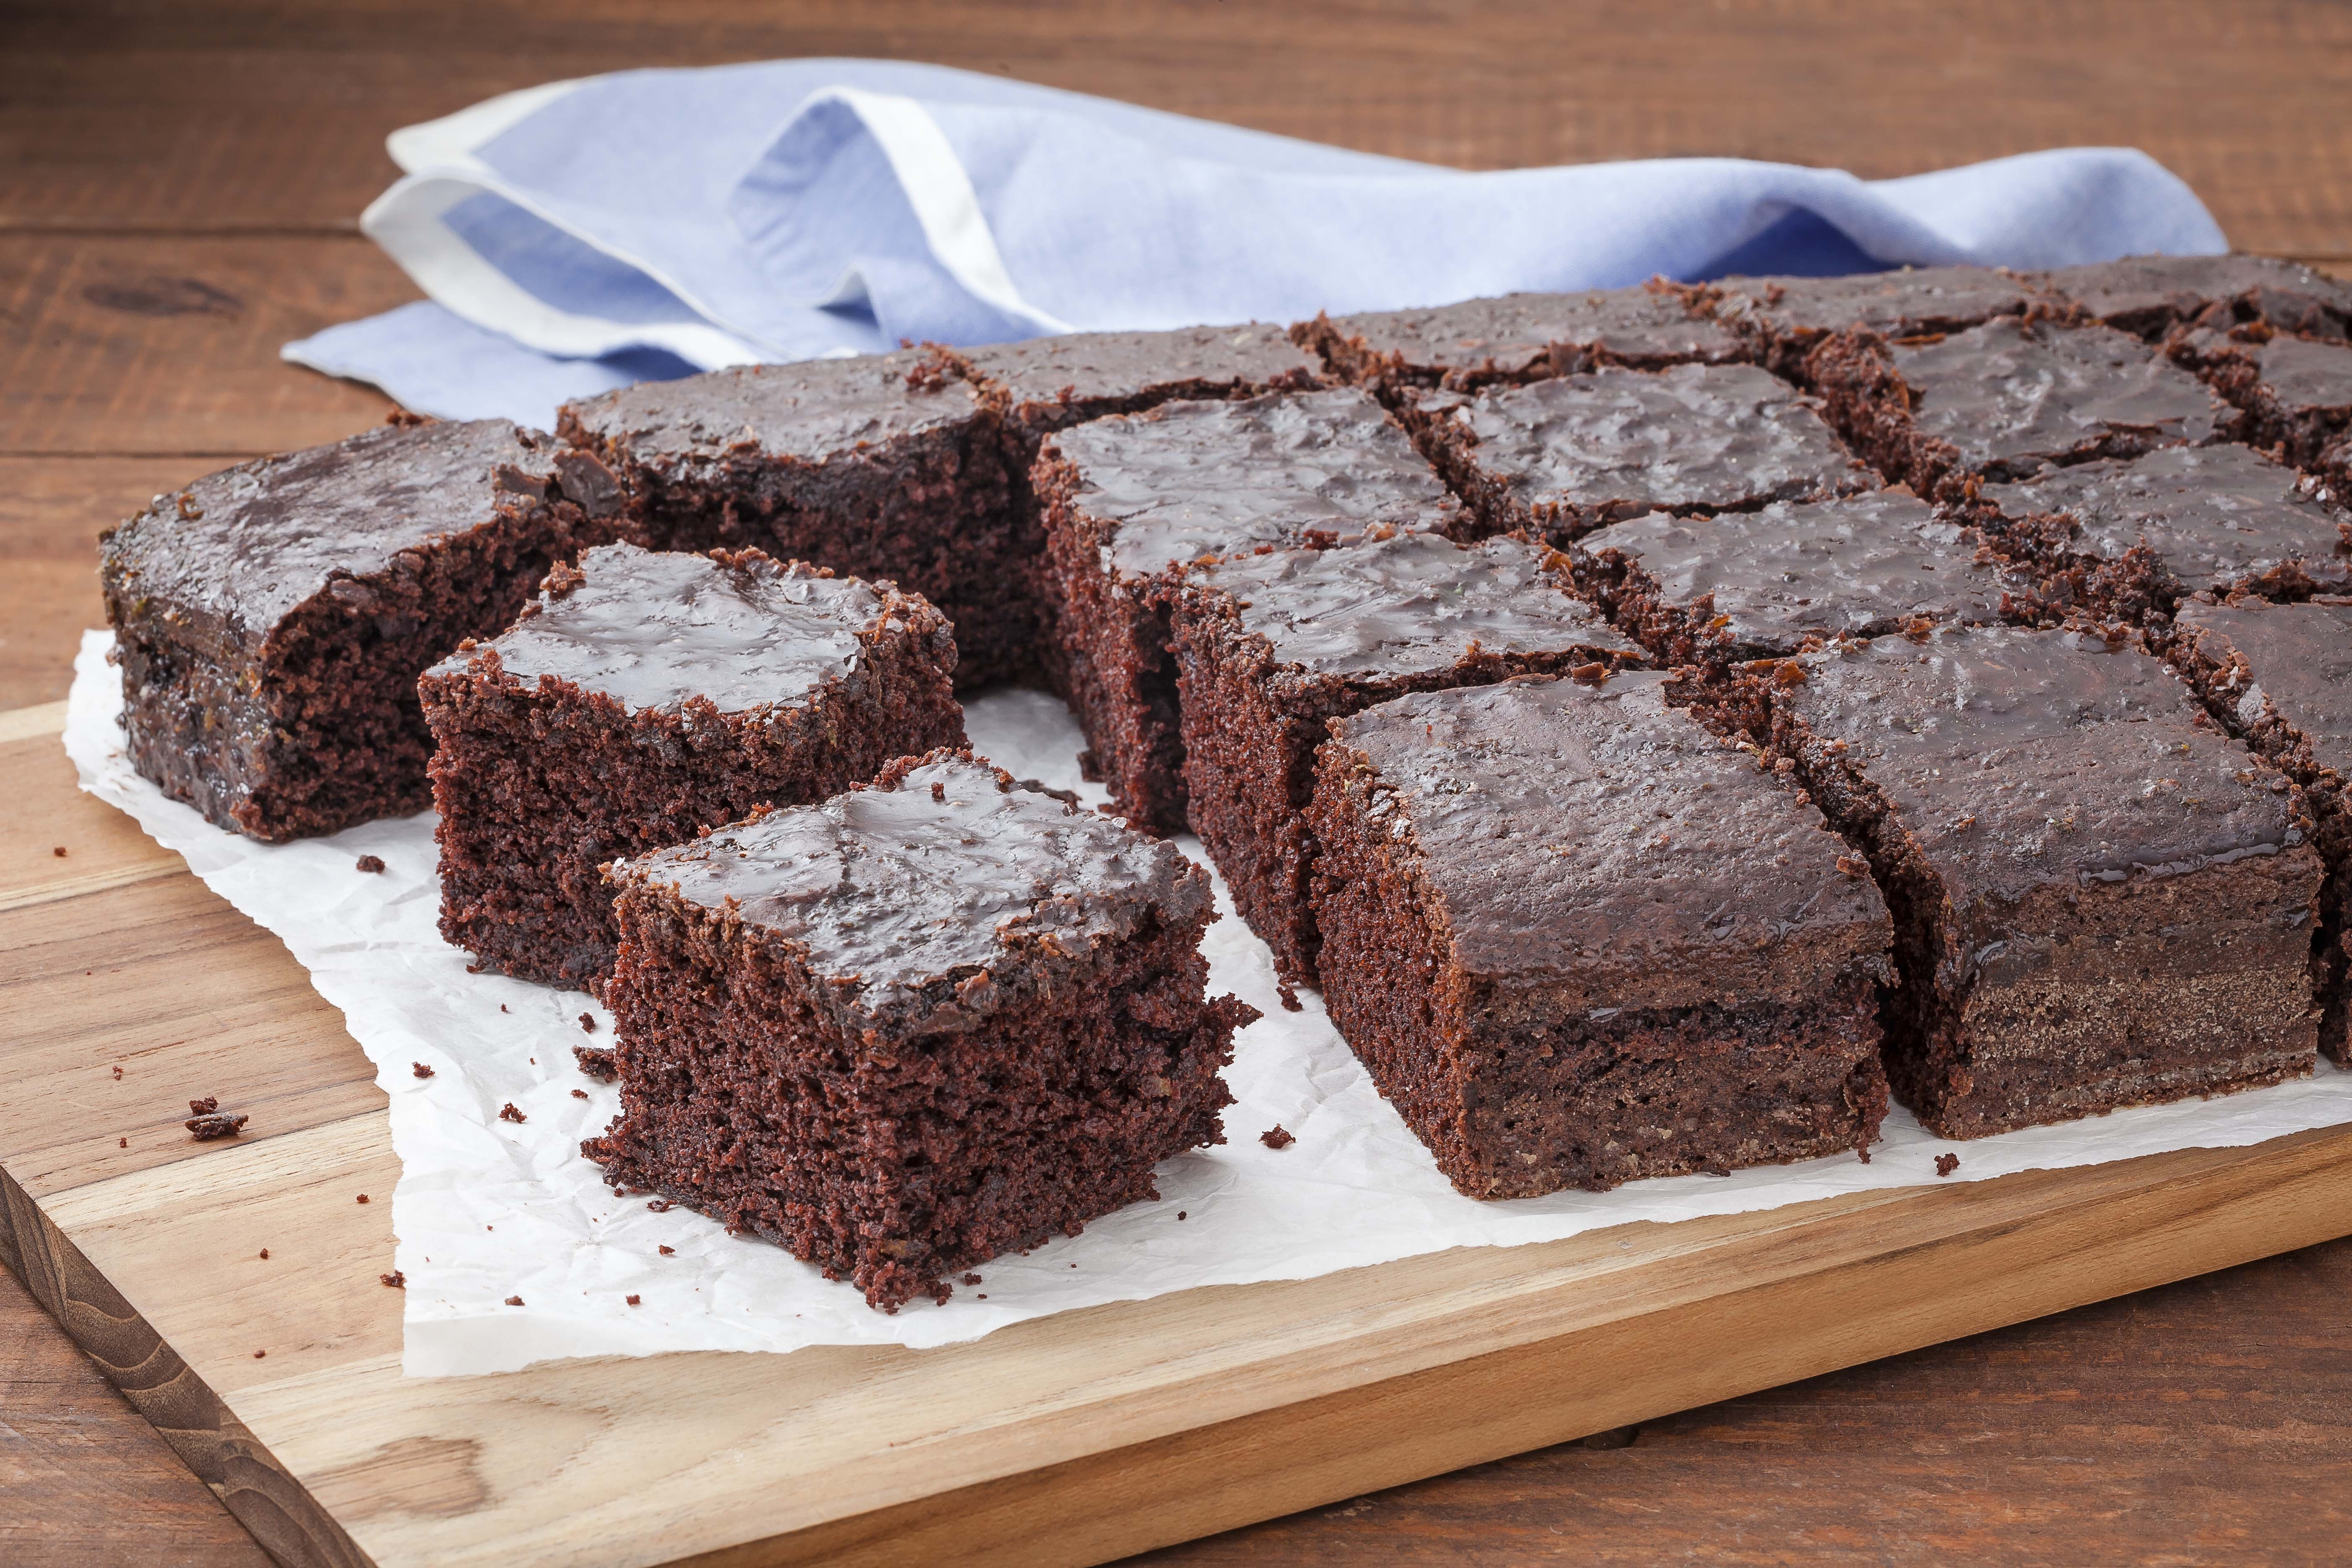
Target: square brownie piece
[2296,392]
[271,619]
[1521,337]
[2138,534]
[1045,385]
[2006,400]
[923,1024]
[645,697]
[2099,898]
[1577,940]
[1762,585]
[1133,502]
[2281,675]
[1561,457]
[883,465]
[1271,649]
[2153,295]
[1784,319]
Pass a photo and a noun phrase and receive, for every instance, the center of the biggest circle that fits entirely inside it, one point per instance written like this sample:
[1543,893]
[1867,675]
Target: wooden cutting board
[1069,1440]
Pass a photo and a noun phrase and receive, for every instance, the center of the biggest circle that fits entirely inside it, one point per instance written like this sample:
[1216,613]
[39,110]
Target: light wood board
[1070,1439]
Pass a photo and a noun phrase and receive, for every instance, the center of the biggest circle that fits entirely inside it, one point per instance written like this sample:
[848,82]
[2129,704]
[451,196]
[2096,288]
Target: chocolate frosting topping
[1513,334]
[1903,303]
[1084,368]
[2298,657]
[810,409]
[2148,294]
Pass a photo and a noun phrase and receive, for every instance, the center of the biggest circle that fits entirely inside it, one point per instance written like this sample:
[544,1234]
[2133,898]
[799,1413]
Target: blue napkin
[586,235]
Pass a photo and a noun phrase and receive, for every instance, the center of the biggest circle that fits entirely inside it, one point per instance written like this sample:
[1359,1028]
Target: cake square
[1522,337]
[2141,533]
[1577,940]
[643,697]
[1561,457]
[2153,295]
[925,1022]
[1270,648]
[1762,585]
[2281,675]
[2099,898]
[2296,392]
[1784,319]
[271,619]
[883,465]
[1045,385]
[1134,502]
[2007,399]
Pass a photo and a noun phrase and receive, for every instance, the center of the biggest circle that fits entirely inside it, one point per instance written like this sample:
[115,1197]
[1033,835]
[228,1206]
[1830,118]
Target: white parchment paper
[1356,1188]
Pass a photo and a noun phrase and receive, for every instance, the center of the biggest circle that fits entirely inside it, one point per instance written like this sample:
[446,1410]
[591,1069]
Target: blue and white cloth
[584,234]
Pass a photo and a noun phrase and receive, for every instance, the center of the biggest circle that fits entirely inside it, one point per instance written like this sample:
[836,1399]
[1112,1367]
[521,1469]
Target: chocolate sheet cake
[1784,319]
[646,696]
[1521,337]
[2153,295]
[2099,898]
[2137,534]
[1133,502]
[1561,457]
[2006,400]
[1270,648]
[1576,939]
[1748,585]
[2280,676]
[271,619]
[920,1024]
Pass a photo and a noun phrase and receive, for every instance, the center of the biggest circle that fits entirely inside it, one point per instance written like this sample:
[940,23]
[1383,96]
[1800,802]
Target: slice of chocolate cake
[885,466]
[1746,585]
[1521,337]
[1134,502]
[645,697]
[2006,400]
[2281,675]
[1271,649]
[2296,392]
[1577,940]
[1561,457]
[2136,535]
[2099,898]
[922,1025]
[271,619]
[2153,295]
[1784,319]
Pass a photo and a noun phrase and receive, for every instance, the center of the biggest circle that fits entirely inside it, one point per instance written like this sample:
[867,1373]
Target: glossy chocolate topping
[1595,839]
[948,873]
[2018,760]
[1903,303]
[1189,479]
[2304,376]
[2216,515]
[1080,374]
[1862,567]
[2011,398]
[652,629]
[1414,603]
[242,547]
[2148,294]
[2298,659]
[1508,337]
[810,409]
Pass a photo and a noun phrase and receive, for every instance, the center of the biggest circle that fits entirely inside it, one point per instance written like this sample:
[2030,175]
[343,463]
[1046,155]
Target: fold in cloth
[583,235]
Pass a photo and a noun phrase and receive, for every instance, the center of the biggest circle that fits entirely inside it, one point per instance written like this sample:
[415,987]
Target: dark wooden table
[179,187]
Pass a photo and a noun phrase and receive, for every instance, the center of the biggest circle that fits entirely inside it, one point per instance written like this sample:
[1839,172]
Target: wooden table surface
[178,189]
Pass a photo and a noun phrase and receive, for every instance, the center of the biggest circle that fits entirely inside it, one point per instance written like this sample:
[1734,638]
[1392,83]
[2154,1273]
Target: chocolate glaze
[1416,601]
[651,630]
[1519,336]
[2012,399]
[1050,383]
[2293,667]
[1860,566]
[1596,841]
[902,903]
[2218,517]
[2307,379]
[2152,294]
[1791,312]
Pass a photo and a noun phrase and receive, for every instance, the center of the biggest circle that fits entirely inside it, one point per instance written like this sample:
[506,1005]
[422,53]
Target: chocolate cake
[2099,898]
[1521,337]
[2137,534]
[2153,295]
[1561,457]
[1578,941]
[2281,675]
[2006,400]
[920,1024]
[1748,585]
[271,619]
[2296,392]
[1784,319]
[1270,648]
[646,696]
[883,467]
[1133,502]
